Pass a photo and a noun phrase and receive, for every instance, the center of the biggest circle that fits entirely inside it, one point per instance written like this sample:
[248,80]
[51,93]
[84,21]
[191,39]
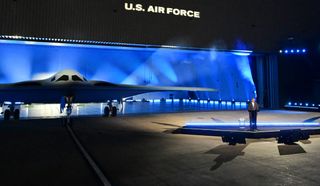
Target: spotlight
[292,51]
[295,103]
[307,104]
[286,51]
[304,50]
[300,104]
[289,104]
[298,51]
[280,51]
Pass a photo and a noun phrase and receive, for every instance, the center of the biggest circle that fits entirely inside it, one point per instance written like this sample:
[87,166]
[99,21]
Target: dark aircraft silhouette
[69,87]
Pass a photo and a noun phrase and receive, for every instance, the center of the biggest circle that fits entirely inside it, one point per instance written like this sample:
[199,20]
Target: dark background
[299,78]
[264,26]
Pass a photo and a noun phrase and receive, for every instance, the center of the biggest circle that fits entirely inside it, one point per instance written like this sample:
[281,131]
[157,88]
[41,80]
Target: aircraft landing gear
[11,109]
[67,100]
[106,111]
[114,111]
[7,115]
[16,114]
[110,110]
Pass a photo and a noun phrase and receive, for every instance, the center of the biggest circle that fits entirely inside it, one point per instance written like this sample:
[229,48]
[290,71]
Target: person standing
[253,109]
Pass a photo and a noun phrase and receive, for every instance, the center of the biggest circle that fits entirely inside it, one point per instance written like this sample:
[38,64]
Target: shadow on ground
[290,149]
[166,124]
[226,153]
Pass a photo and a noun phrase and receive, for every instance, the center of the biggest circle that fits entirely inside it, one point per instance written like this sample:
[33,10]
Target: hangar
[177,74]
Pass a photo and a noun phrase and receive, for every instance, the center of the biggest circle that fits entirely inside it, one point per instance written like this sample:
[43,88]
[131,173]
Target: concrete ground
[141,150]
[41,152]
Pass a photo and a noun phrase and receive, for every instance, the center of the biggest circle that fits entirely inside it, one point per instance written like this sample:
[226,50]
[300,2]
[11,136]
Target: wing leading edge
[49,91]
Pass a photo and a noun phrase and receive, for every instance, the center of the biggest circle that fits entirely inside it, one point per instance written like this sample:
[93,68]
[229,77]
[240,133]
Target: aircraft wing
[35,83]
[42,91]
[120,91]
[27,91]
[145,89]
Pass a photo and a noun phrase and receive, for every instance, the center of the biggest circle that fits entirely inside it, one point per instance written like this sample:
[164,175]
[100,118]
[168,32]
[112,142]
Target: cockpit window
[63,78]
[76,78]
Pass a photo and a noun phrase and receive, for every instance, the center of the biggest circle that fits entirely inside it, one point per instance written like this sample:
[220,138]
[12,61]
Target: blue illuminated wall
[228,72]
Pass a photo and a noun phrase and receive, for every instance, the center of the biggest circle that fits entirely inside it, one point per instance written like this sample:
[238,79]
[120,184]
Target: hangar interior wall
[228,72]
[260,25]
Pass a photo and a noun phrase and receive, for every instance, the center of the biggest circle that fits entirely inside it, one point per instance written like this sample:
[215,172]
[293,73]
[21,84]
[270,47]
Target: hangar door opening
[227,71]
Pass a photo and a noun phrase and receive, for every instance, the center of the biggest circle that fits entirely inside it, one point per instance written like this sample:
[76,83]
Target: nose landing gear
[69,101]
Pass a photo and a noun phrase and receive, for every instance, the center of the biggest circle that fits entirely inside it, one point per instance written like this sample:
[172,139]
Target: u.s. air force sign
[161,10]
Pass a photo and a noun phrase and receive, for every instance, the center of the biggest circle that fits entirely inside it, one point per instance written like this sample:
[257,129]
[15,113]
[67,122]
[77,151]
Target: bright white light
[40,76]
[56,44]
[30,42]
[242,53]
